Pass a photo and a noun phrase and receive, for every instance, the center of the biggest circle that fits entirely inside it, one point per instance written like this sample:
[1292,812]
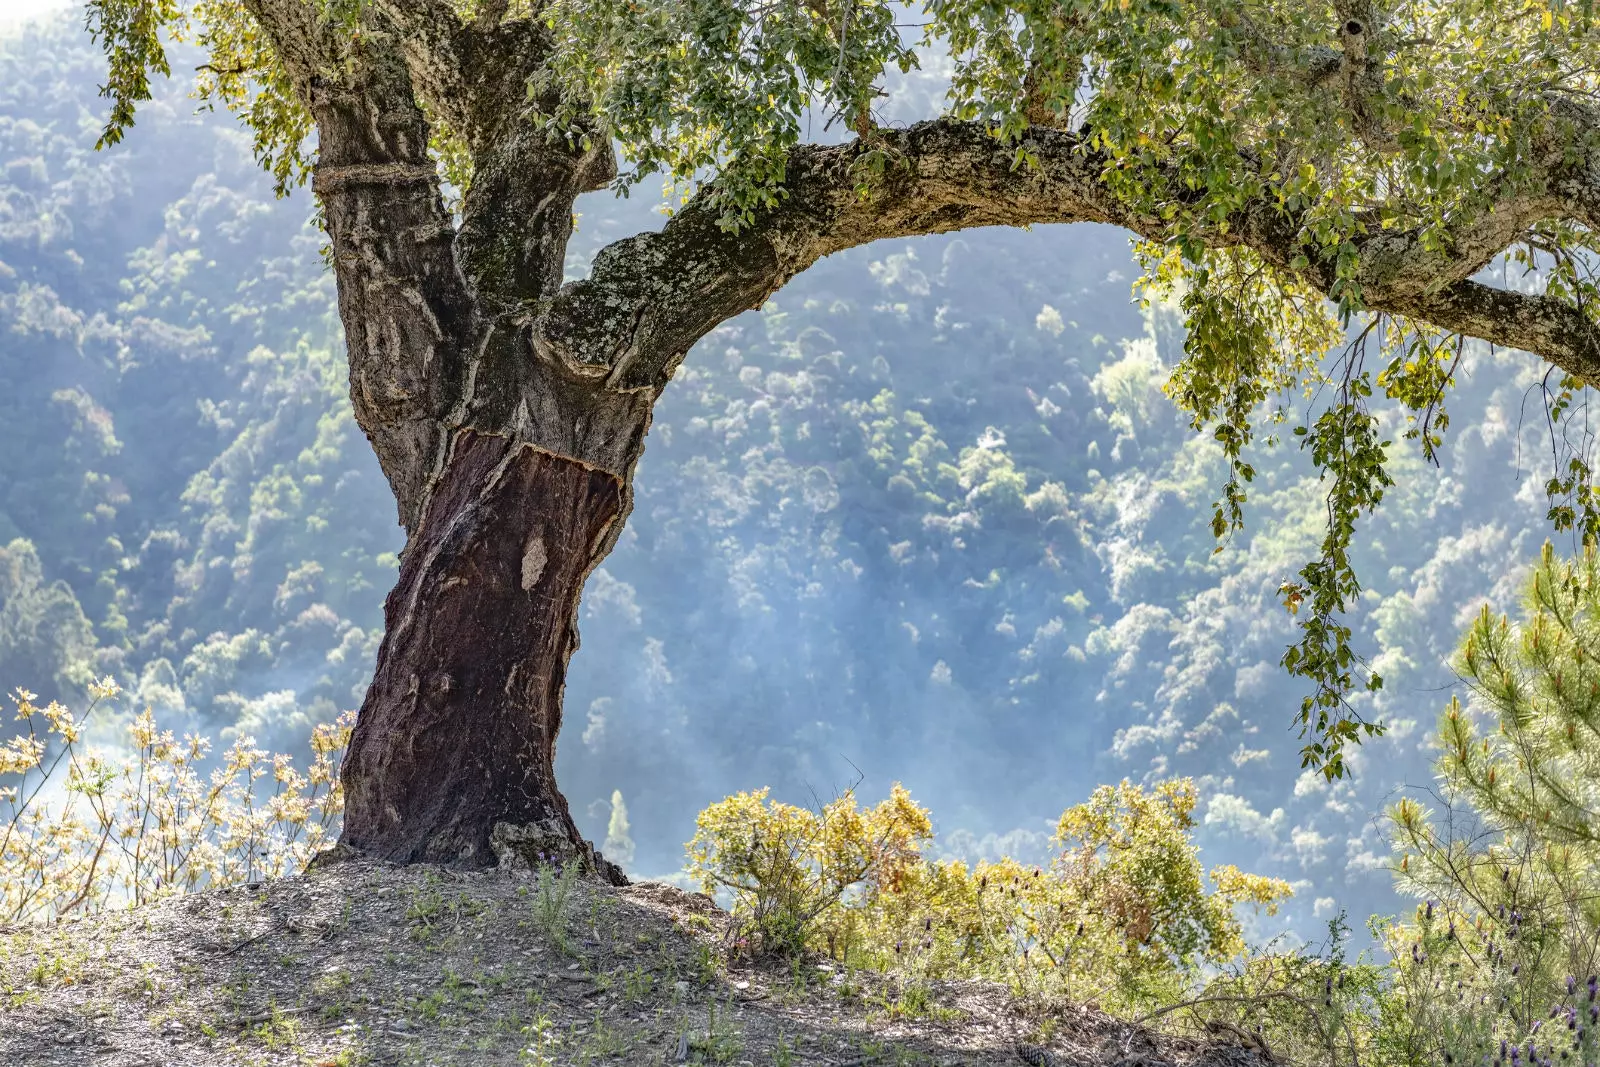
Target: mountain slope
[925,517]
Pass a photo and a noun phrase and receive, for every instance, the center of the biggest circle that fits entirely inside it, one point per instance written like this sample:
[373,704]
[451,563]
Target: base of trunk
[457,734]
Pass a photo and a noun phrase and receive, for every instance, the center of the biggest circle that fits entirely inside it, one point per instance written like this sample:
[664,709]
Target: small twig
[1227,998]
[251,1020]
[247,942]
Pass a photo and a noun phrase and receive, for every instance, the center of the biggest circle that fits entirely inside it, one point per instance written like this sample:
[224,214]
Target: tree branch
[516,216]
[1571,148]
[1554,330]
[650,297]
[407,314]
[431,37]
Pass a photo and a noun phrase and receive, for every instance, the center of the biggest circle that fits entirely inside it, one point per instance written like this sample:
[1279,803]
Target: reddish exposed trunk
[457,733]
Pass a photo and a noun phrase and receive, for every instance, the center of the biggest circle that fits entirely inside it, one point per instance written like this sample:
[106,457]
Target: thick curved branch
[1552,329]
[650,297]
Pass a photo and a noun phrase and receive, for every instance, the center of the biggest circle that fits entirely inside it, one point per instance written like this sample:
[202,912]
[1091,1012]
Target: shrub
[795,875]
[85,827]
[1306,1005]
[1124,915]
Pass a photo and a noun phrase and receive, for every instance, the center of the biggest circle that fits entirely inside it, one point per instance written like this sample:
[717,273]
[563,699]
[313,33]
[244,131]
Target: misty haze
[928,517]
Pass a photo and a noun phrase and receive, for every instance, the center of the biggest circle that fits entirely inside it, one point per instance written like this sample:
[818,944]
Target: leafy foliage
[1516,857]
[242,73]
[791,871]
[691,87]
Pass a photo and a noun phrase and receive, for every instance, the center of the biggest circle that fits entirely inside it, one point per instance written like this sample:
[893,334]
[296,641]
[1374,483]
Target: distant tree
[1293,168]
[41,624]
[619,835]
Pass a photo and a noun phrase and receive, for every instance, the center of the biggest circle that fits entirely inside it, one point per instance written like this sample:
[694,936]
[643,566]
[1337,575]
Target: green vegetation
[551,899]
[1510,863]
[895,550]
[1123,916]
[85,827]
[1495,965]
[619,847]
[790,870]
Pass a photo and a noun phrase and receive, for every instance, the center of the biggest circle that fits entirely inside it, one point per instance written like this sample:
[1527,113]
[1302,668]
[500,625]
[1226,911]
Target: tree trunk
[457,733]
[510,469]
[508,435]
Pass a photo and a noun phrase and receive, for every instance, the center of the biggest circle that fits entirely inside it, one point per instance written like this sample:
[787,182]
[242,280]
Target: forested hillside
[926,517]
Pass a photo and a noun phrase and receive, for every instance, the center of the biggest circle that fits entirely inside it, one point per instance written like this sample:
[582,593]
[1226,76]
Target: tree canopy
[1325,184]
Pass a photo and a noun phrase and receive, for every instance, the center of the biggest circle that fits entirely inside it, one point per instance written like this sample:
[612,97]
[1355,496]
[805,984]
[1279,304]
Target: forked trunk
[507,413]
[457,733]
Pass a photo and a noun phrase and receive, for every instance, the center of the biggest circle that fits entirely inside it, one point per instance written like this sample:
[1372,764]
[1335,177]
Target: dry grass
[356,963]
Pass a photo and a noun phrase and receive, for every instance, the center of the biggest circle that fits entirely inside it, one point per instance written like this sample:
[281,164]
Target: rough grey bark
[408,317]
[509,410]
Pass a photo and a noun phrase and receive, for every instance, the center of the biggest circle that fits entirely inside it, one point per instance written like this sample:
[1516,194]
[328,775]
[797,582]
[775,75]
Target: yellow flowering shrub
[1126,915]
[794,874]
[85,827]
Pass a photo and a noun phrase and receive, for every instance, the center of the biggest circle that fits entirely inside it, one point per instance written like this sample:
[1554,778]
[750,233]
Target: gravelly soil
[358,963]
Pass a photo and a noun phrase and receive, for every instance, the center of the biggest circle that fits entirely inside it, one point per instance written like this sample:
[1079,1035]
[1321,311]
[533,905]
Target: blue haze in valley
[927,517]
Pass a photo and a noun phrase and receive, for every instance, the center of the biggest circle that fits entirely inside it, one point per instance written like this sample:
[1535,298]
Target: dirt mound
[357,963]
